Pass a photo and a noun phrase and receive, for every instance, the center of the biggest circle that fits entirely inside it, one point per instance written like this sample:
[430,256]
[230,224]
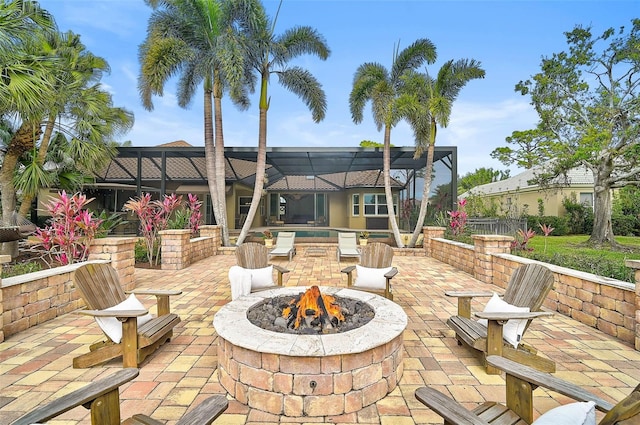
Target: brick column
[430,232]
[175,248]
[635,264]
[214,232]
[484,247]
[121,253]
[3,259]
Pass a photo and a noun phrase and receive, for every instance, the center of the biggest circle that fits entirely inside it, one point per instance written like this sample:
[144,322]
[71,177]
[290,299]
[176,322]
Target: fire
[313,304]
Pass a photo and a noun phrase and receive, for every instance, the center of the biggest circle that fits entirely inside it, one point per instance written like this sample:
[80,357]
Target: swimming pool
[323,233]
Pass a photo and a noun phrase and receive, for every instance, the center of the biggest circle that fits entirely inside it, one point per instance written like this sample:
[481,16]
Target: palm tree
[23,23]
[269,54]
[80,109]
[432,101]
[374,82]
[196,39]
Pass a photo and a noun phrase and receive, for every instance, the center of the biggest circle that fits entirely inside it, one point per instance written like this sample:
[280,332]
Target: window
[244,202]
[355,205]
[586,199]
[376,204]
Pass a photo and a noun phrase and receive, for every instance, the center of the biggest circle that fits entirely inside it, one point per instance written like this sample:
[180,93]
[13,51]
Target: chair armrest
[464,300]
[83,396]
[391,273]
[463,294]
[155,292]
[280,269]
[117,314]
[162,298]
[546,380]
[206,412]
[450,410]
[348,269]
[503,317]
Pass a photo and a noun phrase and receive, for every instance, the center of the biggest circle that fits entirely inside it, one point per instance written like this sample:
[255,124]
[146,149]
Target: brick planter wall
[610,305]
[179,250]
[33,298]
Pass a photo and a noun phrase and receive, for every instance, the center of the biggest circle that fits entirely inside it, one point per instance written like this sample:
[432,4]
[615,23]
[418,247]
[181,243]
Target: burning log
[313,309]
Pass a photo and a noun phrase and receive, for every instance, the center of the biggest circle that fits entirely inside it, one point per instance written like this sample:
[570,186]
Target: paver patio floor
[35,365]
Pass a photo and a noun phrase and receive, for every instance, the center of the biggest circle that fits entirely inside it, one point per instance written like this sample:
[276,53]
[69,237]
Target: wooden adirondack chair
[100,289]
[528,287]
[521,381]
[251,255]
[374,273]
[103,399]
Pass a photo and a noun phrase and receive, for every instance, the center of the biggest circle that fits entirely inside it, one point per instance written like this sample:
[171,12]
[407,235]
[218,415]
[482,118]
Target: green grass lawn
[570,251]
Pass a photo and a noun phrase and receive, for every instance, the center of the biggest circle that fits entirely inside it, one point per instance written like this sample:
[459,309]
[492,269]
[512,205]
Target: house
[520,195]
[337,187]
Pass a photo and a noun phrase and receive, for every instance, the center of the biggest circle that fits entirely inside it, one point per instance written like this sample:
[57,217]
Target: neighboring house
[331,187]
[519,195]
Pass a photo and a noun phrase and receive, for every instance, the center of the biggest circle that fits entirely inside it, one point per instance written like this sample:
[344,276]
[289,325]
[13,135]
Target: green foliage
[479,177]
[372,144]
[532,149]
[599,264]
[625,216]
[179,219]
[560,224]
[109,223]
[580,216]
[20,269]
[540,207]
[141,253]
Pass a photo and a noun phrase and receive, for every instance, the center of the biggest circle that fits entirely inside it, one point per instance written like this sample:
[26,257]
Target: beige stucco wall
[526,201]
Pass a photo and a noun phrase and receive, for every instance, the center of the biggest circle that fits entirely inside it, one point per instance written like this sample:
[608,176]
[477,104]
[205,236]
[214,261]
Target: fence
[496,226]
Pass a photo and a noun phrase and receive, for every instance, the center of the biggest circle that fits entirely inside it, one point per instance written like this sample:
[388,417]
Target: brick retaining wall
[609,305]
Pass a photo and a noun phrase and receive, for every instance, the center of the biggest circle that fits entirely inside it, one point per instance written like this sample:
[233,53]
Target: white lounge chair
[347,245]
[284,245]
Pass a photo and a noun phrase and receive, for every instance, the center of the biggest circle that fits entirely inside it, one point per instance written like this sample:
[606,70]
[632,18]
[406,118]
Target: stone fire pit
[310,375]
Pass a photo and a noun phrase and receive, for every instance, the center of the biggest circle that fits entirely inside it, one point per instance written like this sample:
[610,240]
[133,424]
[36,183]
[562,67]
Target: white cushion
[261,278]
[582,413]
[112,327]
[512,330]
[240,281]
[371,278]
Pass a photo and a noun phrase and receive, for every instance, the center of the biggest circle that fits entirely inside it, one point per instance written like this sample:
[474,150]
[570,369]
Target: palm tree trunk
[220,174]
[386,173]
[25,206]
[21,142]
[427,184]
[209,152]
[261,161]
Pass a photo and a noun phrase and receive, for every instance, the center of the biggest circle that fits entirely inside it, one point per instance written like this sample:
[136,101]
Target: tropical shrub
[156,215]
[458,218]
[71,228]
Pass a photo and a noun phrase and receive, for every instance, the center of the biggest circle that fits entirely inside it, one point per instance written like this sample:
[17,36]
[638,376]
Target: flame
[310,302]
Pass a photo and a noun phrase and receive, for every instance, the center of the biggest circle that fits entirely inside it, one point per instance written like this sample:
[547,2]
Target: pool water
[329,233]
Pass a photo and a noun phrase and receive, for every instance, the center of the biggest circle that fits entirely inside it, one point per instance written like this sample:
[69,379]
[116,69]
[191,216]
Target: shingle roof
[579,176]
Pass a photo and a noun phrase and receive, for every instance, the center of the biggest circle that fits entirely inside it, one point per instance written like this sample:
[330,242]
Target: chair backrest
[252,255]
[285,240]
[529,286]
[347,240]
[98,285]
[626,412]
[376,255]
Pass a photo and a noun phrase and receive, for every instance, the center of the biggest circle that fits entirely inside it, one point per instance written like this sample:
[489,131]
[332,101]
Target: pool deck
[35,365]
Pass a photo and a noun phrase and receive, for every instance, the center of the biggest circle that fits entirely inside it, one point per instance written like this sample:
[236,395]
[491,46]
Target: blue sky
[509,38]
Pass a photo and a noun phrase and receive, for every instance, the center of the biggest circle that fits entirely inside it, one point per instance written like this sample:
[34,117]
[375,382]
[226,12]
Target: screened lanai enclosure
[334,187]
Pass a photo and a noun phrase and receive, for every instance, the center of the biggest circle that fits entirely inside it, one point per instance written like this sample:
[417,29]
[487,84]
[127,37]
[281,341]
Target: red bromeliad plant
[72,228]
[458,219]
[195,216]
[154,216]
